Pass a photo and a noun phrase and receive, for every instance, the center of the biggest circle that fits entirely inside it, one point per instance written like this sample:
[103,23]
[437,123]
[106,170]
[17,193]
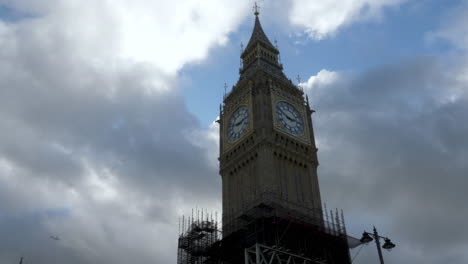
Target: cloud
[166,34]
[323,78]
[453,28]
[209,140]
[320,19]
[98,146]
[392,149]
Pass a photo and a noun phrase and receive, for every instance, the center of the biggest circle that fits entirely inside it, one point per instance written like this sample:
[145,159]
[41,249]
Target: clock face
[238,123]
[289,118]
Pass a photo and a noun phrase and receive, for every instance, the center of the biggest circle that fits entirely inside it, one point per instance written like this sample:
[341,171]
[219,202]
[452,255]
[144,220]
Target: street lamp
[388,245]
[368,237]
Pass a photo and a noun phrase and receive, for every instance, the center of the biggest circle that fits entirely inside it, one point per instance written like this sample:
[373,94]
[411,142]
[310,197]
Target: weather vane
[256,8]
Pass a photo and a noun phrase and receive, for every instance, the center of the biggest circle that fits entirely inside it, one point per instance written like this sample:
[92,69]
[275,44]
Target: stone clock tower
[272,211]
[266,136]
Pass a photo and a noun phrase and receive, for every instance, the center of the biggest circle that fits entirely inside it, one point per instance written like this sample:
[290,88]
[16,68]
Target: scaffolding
[280,229]
[270,203]
[196,238]
[261,254]
[317,235]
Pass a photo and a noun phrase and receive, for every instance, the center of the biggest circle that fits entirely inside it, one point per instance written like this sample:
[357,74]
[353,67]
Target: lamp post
[368,237]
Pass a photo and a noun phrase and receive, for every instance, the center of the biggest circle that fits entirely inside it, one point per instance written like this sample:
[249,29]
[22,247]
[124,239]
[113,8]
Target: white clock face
[289,118]
[238,123]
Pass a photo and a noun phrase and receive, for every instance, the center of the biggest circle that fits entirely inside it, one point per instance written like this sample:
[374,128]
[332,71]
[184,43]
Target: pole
[377,242]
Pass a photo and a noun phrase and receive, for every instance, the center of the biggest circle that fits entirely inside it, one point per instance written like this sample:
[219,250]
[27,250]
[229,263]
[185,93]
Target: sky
[107,110]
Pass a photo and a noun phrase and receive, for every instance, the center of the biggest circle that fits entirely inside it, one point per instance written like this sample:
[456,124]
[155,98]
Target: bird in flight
[55,237]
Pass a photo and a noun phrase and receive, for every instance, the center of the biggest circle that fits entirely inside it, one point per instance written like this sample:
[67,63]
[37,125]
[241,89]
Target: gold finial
[256,8]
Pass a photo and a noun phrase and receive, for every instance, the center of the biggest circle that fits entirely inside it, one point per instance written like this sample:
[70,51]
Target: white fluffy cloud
[167,34]
[323,77]
[322,18]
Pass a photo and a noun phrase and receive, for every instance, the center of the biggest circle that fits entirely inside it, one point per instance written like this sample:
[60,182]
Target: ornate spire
[259,36]
[260,54]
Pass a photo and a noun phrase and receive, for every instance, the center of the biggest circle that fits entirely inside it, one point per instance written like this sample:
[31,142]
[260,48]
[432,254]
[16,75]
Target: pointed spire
[258,35]
[241,51]
[260,53]
[225,89]
[279,56]
[299,85]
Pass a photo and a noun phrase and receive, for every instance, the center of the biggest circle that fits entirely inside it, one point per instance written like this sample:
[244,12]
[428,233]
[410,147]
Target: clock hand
[238,123]
[284,113]
[288,117]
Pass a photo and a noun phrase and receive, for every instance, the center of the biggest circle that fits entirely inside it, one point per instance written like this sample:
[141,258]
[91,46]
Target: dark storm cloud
[121,126]
[393,148]
[139,138]
[99,151]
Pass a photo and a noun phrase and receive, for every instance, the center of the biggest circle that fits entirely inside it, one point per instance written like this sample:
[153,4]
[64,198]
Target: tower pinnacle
[259,53]
[256,8]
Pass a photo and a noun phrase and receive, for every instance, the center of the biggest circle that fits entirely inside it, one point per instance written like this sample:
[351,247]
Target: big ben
[266,135]
[272,209]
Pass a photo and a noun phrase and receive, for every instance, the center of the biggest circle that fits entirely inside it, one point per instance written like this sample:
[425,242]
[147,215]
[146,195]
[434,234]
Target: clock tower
[272,210]
[267,145]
